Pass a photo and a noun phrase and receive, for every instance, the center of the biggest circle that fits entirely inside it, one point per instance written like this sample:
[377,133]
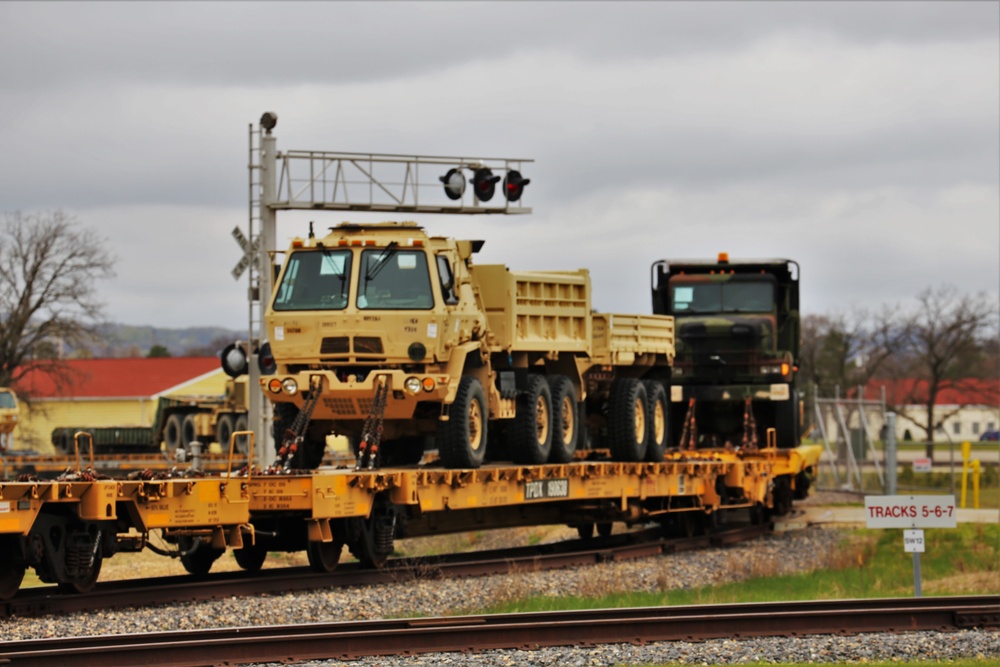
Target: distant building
[109,392]
[968,410]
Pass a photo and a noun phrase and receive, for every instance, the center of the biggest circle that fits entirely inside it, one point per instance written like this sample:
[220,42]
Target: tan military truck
[391,337]
[9,415]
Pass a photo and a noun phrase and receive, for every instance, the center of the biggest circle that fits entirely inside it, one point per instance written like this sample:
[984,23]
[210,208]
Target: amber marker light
[785,368]
[428,384]
[274,386]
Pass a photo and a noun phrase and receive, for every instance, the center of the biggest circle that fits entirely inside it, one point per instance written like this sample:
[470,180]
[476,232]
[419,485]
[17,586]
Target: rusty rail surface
[506,631]
[184,588]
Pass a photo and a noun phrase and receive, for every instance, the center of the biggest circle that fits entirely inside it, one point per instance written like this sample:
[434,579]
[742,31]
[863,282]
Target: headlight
[290,386]
[412,385]
[770,370]
[678,371]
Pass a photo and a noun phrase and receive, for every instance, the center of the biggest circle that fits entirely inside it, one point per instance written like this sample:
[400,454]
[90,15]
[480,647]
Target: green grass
[870,564]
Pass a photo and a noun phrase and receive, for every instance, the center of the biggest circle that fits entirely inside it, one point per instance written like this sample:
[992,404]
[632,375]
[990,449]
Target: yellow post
[966,451]
[975,483]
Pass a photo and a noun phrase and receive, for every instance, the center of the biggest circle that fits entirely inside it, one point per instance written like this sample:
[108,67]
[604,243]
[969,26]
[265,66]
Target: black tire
[324,556]
[627,430]
[565,422]
[242,442]
[189,432]
[86,583]
[532,443]
[786,421]
[173,432]
[251,557]
[657,421]
[224,428]
[462,439]
[199,561]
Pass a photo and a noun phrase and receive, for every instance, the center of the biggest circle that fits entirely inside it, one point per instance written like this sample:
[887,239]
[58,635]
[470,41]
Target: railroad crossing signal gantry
[341,181]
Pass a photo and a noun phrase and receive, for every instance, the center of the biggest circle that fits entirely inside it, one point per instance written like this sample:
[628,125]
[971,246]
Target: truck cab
[737,348]
[371,303]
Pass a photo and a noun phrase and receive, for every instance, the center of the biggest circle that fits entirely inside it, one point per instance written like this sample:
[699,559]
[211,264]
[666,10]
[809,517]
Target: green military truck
[738,339]
[382,333]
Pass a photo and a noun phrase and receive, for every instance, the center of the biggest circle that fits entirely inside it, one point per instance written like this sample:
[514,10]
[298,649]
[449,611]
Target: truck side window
[447,281]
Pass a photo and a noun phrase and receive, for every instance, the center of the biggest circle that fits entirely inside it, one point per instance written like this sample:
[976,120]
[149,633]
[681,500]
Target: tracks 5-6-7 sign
[910,511]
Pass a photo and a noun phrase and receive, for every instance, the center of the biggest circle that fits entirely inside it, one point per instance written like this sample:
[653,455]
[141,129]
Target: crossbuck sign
[250,253]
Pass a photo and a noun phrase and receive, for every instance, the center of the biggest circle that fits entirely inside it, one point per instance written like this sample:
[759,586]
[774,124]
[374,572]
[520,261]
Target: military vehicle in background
[738,339]
[389,336]
[179,421]
[9,416]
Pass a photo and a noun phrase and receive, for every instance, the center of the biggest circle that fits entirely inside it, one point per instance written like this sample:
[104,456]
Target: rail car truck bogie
[389,336]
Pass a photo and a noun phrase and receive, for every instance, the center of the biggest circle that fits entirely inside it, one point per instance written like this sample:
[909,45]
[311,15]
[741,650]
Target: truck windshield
[7,400]
[315,280]
[722,297]
[394,279]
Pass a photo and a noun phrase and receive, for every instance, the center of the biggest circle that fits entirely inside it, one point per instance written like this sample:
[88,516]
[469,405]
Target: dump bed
[535,311]
[620,340]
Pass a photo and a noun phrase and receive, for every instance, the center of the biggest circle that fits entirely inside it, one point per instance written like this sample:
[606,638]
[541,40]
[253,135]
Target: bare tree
[49,266]
[848,351]
[950,346]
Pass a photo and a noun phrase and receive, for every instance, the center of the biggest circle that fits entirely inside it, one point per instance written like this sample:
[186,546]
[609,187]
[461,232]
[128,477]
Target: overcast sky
[861,139]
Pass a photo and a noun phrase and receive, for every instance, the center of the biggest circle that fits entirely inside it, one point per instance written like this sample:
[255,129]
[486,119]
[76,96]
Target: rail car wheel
[533,424]
[324,556]
[224,431]
[657,420]
[198,561]
[781,494]
[371,540]
[604,529]
[627,430]
[585,531]
[462,439]
[565,426]
[12,568]
[251,557]
[85,581]
[173,432]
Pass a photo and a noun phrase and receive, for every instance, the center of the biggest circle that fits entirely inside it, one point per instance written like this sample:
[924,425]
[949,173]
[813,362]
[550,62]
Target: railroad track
[506,631]
[571,553]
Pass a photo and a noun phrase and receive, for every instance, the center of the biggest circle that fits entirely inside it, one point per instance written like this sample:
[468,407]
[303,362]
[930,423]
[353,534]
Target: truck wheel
[657,420]
[172,432]
[462,439]
[786,421]
[251,557]
[242,442]
[565,426]
[627,430]
[224,431]
[533,423]
[189,433]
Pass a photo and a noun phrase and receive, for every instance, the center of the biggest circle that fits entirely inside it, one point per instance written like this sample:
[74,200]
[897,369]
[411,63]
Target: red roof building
[118,378]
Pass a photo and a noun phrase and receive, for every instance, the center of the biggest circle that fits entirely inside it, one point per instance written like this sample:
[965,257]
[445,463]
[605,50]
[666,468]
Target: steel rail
[183,588]
[507,631]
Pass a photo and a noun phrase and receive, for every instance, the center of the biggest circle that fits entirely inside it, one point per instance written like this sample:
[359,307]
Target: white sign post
[913,513]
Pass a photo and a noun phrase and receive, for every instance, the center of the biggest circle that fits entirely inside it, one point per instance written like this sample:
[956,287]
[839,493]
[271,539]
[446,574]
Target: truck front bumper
[680,393]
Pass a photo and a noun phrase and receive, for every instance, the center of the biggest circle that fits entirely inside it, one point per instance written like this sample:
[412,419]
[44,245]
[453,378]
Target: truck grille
[334,345]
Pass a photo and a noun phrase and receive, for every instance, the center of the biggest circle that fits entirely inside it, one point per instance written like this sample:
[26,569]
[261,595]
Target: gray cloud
[860,138]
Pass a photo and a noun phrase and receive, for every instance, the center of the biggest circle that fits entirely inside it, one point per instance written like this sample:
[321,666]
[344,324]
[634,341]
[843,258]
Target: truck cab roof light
[723,258]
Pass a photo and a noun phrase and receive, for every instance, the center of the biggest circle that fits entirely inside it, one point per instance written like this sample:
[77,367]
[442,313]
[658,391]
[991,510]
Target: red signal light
[513,185]
[484,184]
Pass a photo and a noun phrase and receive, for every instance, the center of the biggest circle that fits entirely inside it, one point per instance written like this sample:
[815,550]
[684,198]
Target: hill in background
[125,340]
